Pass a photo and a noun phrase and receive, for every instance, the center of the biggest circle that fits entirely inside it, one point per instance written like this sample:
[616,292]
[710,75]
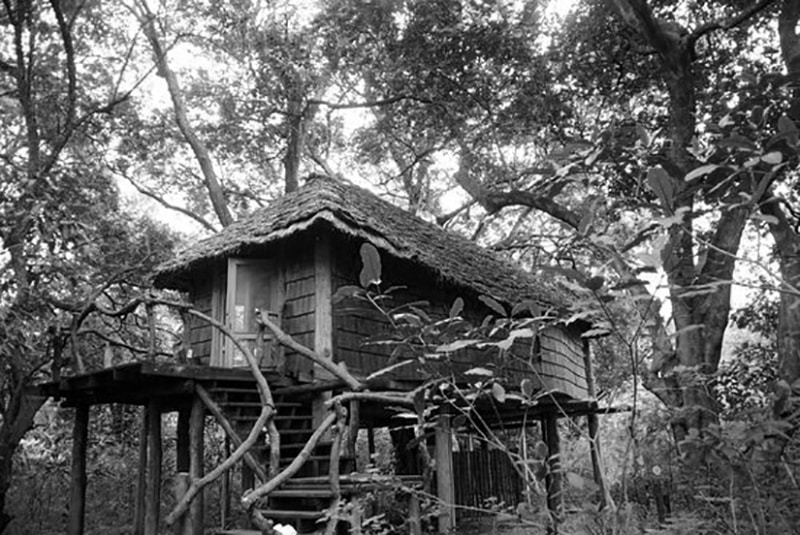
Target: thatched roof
[357,212]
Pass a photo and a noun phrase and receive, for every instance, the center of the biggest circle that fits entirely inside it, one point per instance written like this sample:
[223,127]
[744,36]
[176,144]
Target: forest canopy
[643,152]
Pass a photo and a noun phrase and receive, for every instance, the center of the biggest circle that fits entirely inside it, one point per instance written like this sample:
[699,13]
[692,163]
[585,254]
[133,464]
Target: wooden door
[253,289]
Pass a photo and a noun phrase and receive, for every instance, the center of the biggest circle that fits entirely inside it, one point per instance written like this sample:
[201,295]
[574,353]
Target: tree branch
[730,22]
[160,200]
[212,183]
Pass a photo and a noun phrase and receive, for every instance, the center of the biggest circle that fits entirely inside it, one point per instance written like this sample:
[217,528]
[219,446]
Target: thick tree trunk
[700,320]
[785,234]
[295,138]
[23,407]
[787,241]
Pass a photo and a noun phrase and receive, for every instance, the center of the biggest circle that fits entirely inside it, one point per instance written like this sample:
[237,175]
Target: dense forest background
[645,152]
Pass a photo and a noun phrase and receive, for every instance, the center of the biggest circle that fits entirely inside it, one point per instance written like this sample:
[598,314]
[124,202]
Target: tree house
[286,263]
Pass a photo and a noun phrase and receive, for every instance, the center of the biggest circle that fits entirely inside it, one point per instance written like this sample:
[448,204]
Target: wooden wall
[555,362]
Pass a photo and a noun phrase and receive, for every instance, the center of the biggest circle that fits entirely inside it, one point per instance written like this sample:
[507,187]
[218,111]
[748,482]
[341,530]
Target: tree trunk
[784,232]
[24,406]
[295,137]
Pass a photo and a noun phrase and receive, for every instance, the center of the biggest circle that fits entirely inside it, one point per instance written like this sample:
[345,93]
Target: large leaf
[701,171]
[371,265]
[457,308]
[493,304]
[661,183]
[499,392]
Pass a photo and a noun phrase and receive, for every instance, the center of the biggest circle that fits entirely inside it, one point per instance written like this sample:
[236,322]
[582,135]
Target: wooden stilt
[196,431]
[371,441]
[225,488]
[80,439]
[181,485]
[153,497]
[182,442]
[553,481]
[592,424]
[414,524]
[141,482]
[594,450]
[444,474]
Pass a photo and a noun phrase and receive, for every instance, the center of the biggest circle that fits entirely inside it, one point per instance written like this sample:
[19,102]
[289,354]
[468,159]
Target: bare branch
[212,183]
[160,200]
[367,104]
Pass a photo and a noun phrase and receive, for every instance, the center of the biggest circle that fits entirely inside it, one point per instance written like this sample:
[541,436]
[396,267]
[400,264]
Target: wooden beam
[445,490]
[194,524]
[77,502]
[141,482]
[153,497]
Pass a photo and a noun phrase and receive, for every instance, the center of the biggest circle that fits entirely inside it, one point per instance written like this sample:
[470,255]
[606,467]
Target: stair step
[278,417]
[232,390]
[301,493]
[287,514]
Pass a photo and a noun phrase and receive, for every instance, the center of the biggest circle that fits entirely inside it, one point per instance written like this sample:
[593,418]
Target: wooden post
[414,524]
[445,490]
[180,486]
[141,482]
[593,426]
[182,442]
[225,488]
[323,321]
[555,499]
[194,524]
[80,439]
[153,497]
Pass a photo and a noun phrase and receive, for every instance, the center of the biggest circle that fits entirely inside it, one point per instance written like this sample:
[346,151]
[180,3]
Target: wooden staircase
[302,501]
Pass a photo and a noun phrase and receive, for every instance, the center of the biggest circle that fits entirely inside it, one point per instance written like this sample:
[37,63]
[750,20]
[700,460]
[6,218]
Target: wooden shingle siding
[200,332]
[298,306]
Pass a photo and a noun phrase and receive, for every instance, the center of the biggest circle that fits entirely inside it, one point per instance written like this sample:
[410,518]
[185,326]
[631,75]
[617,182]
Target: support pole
[80,439]
[323,323]
[445,490]
[181,485]
[225,489]
[196,431]
[182,442]
[414,523]
[553,480]
[153,497]
[141,482]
